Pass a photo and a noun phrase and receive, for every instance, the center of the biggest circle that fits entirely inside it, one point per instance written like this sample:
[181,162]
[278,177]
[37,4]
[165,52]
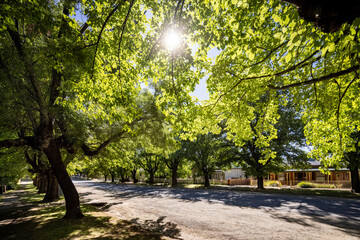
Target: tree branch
[13,143]
[101,31]
[83,28]
[269,54]
[300,64]
[316,80]
[88,152]
[123,30]
[30,72]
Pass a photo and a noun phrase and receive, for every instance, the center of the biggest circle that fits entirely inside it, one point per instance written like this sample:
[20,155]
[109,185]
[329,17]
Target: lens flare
[172,39]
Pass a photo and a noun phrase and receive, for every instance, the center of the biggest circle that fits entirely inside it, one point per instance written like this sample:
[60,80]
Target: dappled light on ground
[37,220]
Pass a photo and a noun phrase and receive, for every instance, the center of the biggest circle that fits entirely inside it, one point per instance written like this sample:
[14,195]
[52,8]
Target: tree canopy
[71,72]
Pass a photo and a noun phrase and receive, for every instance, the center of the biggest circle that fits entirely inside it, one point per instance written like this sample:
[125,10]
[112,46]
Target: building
[312,174]
[234,173]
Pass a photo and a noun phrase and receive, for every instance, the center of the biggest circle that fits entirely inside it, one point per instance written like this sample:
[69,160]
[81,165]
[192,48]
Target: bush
[273,184]
[305,185]
[324,185]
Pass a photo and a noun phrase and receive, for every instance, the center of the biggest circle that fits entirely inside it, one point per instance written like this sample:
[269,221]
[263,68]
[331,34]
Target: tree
[13,167]
[283,150]
[60,71]
[209,152]
[45,179]
[173,162]
[266,48]
[150,162]
[352,160]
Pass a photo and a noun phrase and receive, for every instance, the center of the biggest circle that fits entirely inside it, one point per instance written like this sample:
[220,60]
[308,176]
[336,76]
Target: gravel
[223,214]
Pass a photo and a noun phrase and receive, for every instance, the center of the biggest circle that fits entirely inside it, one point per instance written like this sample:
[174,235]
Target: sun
[172,39]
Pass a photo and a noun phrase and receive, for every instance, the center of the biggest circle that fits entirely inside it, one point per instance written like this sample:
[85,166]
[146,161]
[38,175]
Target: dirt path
[200,214]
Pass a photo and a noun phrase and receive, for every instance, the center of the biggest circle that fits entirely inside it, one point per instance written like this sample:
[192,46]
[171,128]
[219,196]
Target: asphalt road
[223,214]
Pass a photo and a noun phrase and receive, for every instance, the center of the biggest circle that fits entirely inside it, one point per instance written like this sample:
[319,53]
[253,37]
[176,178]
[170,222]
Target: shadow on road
[343,214]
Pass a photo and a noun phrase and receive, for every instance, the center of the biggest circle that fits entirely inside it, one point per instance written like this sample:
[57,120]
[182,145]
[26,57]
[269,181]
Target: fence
[246,181]
[197,181]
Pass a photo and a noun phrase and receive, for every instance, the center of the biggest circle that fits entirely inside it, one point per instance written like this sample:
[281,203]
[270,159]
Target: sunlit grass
[38,220]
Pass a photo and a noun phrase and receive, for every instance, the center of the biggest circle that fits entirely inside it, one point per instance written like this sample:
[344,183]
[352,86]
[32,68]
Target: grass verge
[302,191]
[33,219]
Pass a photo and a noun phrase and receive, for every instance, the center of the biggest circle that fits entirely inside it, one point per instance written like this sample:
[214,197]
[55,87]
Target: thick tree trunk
[355,181]
[174,182]
[207,180]
[59,170]
[105,176]
[260,183]
[112,178]
[52,192]
[151,178]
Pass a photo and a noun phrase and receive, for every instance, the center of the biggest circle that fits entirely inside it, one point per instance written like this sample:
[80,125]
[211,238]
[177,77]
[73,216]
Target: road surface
[224,214]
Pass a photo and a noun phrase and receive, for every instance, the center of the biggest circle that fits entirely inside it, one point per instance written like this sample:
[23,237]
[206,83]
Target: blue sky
[200,90]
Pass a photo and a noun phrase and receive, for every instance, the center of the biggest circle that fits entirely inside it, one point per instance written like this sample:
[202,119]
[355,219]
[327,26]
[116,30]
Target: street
[224,214]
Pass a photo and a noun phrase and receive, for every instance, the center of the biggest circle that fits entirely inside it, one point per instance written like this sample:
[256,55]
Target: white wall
[234,173]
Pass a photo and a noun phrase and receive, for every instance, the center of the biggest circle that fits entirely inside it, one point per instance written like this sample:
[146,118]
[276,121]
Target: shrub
[273,184]
[305,185]
[324,185]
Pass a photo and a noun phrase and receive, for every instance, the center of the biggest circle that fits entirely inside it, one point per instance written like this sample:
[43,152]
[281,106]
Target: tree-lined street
[106,89]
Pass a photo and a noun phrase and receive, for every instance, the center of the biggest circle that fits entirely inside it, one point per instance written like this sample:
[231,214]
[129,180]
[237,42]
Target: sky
[200,90]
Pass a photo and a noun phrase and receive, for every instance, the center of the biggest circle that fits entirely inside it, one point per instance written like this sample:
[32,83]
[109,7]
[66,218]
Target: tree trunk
[123,178]
[43,183]
[260,182]
[72,201]
[36,182]
[174,182]
[52,192]
[207,180]
[112,178]
[151,178]
[105,176]
[133,173]
[355,181]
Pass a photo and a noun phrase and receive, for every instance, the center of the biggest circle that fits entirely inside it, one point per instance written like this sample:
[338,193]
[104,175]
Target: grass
[33,219]
[314,185]
[304,191]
